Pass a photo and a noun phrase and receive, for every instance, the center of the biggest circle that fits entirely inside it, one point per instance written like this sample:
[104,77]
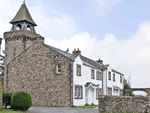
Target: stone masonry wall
[124,103]
[1,92]
[34,72]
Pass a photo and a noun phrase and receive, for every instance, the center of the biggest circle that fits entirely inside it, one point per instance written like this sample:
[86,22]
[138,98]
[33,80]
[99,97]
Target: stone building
[52,77]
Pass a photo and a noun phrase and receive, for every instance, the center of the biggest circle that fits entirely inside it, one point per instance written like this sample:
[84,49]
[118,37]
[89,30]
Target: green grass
[11,111]
[91,106]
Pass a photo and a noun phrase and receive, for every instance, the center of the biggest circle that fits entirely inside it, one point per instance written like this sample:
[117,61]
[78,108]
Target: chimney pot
[99,58]
[74,49]
[78,49]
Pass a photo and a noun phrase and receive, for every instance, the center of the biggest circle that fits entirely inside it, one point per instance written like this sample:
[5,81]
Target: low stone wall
[1,92]
[125,103]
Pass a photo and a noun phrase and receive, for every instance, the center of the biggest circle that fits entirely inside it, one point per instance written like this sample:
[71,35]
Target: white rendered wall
[82,80]
[111,83]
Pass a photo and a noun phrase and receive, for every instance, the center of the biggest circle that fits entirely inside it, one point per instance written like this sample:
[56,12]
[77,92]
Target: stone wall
[34,72]
[124,103]
[1,92]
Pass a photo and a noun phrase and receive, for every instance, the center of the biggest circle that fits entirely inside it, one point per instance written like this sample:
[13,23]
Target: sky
[116,31]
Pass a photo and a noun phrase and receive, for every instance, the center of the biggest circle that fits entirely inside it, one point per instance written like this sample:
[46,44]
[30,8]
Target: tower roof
[23,14]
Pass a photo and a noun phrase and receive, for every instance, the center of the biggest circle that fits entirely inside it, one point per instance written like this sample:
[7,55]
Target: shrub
[7,98]
[21,101]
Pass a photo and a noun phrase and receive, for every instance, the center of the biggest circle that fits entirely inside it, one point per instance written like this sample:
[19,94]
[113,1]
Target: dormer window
[58,69]
[78,70]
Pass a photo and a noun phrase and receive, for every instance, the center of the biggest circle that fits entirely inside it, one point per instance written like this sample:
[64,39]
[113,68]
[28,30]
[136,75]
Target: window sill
[58,73]
[79,75]
[78,98]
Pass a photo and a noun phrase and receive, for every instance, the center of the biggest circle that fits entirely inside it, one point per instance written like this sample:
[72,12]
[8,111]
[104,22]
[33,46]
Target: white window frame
[57,68]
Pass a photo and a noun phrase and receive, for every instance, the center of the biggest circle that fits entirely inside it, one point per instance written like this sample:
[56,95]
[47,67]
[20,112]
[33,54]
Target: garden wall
[124,103]
[1,92]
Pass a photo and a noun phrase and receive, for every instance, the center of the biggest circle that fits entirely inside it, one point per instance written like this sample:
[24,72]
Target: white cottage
[89,75]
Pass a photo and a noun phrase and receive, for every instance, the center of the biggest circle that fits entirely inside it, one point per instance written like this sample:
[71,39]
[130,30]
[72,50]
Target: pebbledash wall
[124,103]
[34,72]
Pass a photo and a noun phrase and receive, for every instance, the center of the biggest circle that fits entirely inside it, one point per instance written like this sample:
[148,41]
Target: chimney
[100,61]
[39,39]
[76,53]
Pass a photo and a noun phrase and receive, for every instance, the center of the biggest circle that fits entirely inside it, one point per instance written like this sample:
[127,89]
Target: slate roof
[70,56]
[23,14]
[116,72]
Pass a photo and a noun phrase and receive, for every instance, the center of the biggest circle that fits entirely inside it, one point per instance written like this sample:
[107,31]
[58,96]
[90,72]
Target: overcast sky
[117,31]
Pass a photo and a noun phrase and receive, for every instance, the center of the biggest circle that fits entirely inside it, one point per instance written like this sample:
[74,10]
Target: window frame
[101,76]
[114,79]
[92,70]
[77,70]
[56,69]
[120,79]
[109,89]
[100,92]
[78,87]
[97,75]
[109,75]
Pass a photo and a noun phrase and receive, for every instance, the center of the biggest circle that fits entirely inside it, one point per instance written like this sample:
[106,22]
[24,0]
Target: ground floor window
[78,92]
[121,92]
[109,90]
[100,92]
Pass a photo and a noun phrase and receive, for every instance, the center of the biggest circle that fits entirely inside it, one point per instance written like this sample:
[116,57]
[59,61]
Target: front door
[90,95]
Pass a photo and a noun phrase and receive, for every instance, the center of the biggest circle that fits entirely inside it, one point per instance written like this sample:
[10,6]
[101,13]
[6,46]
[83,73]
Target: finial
[24,2]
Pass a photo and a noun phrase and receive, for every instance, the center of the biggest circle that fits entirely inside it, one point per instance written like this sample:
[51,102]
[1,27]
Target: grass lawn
[11,111]
[91,106]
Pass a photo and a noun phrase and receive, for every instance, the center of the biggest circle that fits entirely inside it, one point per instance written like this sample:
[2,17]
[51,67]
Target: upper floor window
[113,77]
[58,69]
[78,91]
[109,75]
[97,75]
[100,76]
[78,69]
[120,79]
[92,74]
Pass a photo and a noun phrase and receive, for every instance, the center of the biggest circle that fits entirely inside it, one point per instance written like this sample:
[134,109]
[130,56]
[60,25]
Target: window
[100,92]
[109,91]
[78,92]
[92,74]
[113,77]
[120,79]
[109,75]
[121,92]
[58,69]
[97,75]
[100,76]
[78,70]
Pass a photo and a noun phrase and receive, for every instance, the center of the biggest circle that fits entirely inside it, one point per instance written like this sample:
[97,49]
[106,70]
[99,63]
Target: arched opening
[139,93]
[18,27]
[28,28]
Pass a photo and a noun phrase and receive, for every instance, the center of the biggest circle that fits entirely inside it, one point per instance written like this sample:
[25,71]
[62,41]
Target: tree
[127,85]
[2,58]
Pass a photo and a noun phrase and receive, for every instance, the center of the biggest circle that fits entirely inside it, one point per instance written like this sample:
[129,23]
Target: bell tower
[20,37]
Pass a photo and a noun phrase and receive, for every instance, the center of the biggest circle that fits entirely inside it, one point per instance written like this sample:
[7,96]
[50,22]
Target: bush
[7,98]
[21,101]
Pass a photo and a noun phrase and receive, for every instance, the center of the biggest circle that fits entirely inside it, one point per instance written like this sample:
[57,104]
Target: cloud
[101,7]
[130,56]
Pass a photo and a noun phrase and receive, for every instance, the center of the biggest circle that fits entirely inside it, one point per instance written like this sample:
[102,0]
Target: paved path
[61,110]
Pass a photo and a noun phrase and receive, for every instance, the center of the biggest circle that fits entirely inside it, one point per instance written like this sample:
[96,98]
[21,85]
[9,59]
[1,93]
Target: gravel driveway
[61,110]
